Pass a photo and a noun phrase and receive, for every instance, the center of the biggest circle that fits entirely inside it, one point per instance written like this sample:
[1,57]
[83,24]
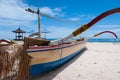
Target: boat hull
[51,59]
[38,69]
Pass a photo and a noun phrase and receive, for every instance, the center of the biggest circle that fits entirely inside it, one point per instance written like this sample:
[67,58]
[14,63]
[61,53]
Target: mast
[38,14]
[39,30]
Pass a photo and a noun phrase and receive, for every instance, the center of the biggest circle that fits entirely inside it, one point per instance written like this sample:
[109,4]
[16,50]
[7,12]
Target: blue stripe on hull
[38,69]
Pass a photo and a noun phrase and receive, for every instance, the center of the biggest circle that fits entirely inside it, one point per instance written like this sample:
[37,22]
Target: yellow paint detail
[96,35]
[80,30]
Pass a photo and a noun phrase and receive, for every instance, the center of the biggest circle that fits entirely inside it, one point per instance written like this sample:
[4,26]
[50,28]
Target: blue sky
[13,15]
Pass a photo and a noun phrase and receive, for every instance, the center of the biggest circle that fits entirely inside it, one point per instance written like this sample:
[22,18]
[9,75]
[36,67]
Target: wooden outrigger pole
[106,32]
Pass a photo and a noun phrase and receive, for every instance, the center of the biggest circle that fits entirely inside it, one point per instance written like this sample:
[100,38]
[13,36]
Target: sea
[104,40]
[112,40]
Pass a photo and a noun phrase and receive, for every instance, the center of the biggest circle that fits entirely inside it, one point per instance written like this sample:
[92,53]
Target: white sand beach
[100,61]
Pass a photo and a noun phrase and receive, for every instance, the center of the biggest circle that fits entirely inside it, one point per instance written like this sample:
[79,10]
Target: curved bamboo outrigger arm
[33,34]
[86,26]
[106,32]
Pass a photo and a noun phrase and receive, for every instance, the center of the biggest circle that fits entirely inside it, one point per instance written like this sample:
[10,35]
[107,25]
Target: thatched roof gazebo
[19,34]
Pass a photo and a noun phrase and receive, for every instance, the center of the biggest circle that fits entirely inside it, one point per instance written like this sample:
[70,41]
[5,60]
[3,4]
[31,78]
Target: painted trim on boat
[53,48]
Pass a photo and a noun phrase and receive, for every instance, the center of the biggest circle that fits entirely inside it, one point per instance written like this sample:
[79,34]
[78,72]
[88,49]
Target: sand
[100,61]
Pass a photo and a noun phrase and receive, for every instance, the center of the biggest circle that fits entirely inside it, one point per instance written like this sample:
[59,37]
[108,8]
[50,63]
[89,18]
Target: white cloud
[81,18]
[48,11]
[52,12]
[58,32]
[57,10]
[74,19]
[13,13]
[14,9]
[86,16]
[109,26]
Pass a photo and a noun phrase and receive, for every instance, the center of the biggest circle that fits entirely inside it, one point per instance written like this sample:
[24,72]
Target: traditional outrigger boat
[46,58]
[49,55]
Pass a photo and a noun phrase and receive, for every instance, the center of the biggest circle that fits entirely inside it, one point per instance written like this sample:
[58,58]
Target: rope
[60,49]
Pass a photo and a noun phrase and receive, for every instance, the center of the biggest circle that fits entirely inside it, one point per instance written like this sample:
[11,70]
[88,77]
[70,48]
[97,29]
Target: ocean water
[94,40]
[103,40]
[97,40]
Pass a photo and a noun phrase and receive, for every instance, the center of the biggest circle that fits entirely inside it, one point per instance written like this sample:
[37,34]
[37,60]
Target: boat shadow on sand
[51,74]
